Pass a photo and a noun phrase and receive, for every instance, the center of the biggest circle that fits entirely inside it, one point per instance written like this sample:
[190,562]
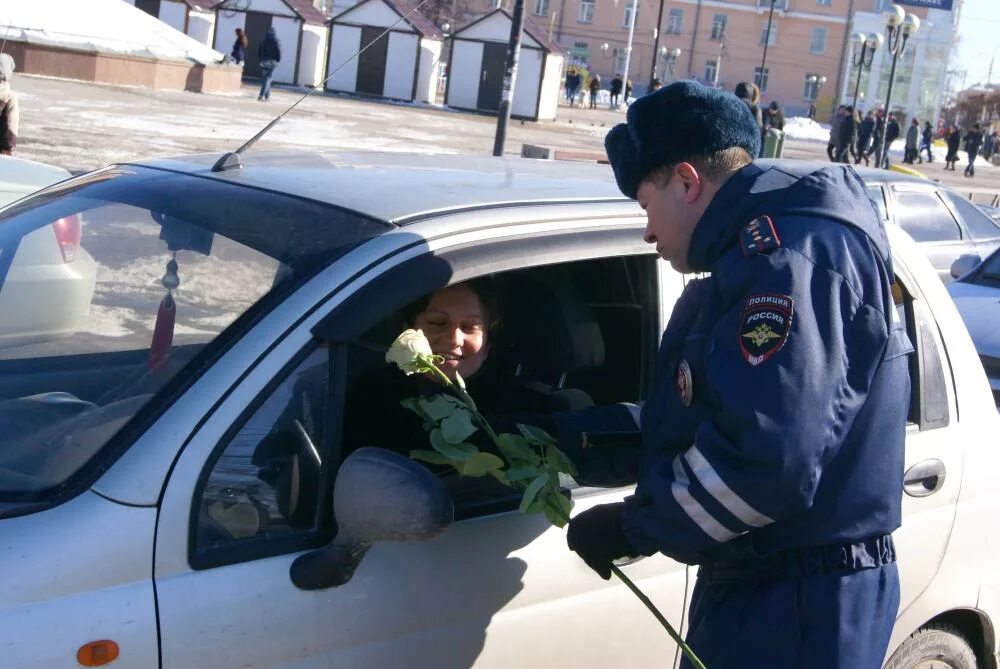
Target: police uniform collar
[732,207]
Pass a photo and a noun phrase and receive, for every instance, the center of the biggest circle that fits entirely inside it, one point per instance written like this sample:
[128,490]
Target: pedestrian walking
[628,91]
[615,90]
[239,50]
[595,89]
[973,141]
[877,137]
[891,135]
[268,55]
[812,111]
[788,513]
[866,130]
[912,141]
[10,113]
[775,116]
[847,131]
[954,141]
[926,142]
[832,149]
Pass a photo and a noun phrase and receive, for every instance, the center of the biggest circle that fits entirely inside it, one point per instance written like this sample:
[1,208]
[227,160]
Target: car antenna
[232,160]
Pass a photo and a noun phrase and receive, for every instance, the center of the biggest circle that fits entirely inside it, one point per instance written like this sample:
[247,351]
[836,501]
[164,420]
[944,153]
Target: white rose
[405,350]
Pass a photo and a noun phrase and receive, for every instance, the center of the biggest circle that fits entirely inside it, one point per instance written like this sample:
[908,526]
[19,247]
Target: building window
[769,38]
[781,5]
[818,43]
[541,7]
[882,5]
[495,4]
[811,90]
[674,20]
[719,26]
[824,3]
[711,71]
[619,61]
[627,19]
[586,14]
[760,80]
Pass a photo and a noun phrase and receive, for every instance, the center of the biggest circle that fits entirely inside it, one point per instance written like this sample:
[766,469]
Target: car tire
[934,646]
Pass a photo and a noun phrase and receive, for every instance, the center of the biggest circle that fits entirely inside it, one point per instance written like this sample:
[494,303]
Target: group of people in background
[853,137]
[578,80]
[268,56]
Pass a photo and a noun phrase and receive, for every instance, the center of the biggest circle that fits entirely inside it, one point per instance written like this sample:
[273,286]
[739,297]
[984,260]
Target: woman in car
[462,324]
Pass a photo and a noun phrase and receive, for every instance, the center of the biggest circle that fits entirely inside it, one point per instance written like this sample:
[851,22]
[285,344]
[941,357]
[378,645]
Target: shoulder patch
[764,327]
[758,236]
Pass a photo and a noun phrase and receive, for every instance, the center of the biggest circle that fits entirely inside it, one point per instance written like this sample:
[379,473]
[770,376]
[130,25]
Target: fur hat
[678,122]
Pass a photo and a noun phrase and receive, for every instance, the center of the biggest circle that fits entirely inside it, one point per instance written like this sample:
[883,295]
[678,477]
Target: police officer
[772,437]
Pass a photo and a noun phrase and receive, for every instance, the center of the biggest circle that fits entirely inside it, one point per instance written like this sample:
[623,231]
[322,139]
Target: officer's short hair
[714,167]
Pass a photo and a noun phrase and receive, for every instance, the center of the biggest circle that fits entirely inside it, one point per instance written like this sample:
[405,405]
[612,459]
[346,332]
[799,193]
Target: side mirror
[964,264]
[379,495]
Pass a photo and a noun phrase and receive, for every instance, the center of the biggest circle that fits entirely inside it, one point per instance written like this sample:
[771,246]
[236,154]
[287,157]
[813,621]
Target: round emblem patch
[685,383]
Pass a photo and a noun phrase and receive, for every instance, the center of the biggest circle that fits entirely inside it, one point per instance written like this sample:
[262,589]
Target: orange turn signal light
[97,653]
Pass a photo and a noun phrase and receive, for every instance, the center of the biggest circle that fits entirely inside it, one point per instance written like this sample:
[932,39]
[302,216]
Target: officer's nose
[648,236]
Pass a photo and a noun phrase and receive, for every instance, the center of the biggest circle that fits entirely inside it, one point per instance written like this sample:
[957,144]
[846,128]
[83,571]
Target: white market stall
[477,62]
[195,18]
[402,65]
[300,27]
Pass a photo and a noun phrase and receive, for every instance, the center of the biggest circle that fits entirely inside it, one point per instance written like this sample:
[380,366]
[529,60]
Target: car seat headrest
[548,328]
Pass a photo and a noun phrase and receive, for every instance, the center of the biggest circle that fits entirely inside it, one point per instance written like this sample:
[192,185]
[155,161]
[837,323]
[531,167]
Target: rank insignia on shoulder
[764,326]
[758,236]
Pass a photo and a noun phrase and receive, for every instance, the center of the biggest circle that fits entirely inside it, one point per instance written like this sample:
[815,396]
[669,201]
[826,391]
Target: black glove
[596,536]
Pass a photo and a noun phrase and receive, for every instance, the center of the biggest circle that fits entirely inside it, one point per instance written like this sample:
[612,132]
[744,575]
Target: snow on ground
[802,128]
[99,25]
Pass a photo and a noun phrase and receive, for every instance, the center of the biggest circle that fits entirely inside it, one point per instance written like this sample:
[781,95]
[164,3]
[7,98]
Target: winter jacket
[912,137]
[269,47]
[10,118]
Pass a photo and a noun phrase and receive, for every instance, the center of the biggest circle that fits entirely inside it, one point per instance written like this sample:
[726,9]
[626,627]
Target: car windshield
[113,283]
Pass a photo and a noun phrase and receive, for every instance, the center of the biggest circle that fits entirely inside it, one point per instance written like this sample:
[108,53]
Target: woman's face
[455,324]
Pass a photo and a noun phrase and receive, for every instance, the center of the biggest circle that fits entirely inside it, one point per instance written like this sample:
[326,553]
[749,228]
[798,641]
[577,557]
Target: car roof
[400,188]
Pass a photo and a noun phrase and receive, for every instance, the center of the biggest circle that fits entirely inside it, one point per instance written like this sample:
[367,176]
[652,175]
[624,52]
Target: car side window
[878,197]
[925,217]
[260,495]
[928,378]
[979,225]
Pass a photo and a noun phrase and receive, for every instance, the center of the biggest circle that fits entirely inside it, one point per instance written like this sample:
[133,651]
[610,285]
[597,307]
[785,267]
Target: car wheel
[935,646]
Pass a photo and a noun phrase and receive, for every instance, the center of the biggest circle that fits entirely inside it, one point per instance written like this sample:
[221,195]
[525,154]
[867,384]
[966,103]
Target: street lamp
[669,57]
[899,27]
[817,82]
[863,59]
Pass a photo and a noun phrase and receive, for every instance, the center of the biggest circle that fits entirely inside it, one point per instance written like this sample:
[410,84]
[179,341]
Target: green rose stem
[459,388]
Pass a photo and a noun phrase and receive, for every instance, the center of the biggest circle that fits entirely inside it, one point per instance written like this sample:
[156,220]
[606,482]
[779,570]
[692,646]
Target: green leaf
[531,492]
[438,407]
[516,449]
[481,464]
[461,452]
[433,457]
[413,405]
[523,472]
[534,435]
[457,427]
[559,461]
[557,508]
[501,476]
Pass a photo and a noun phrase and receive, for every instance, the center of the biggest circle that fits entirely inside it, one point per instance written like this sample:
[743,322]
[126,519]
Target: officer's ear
[692,182]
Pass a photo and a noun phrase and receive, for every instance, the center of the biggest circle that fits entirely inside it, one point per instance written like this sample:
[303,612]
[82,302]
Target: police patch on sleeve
[764,326]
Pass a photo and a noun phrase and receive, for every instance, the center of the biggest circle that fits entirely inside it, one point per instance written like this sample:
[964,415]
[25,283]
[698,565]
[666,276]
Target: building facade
[722,42]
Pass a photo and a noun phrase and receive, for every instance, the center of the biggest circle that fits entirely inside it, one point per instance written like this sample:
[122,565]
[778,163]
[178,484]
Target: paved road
[84,126]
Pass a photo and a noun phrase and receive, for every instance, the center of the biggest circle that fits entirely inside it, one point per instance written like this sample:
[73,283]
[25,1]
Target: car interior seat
[549,332]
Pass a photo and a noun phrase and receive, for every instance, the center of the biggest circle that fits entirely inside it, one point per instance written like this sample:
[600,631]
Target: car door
[921,213]
[934,458]
[498,589]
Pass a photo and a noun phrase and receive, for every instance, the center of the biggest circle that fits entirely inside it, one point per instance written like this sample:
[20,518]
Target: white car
[145,520]
[976,291]
[47,281]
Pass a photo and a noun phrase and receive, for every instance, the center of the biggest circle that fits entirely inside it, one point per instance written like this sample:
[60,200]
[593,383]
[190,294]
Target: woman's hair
[485,289]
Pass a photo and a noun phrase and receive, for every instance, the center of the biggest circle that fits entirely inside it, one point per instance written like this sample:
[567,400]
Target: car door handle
[924,478]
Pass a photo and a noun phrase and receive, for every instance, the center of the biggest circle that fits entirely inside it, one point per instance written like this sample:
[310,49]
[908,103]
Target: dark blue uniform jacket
[778,407]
